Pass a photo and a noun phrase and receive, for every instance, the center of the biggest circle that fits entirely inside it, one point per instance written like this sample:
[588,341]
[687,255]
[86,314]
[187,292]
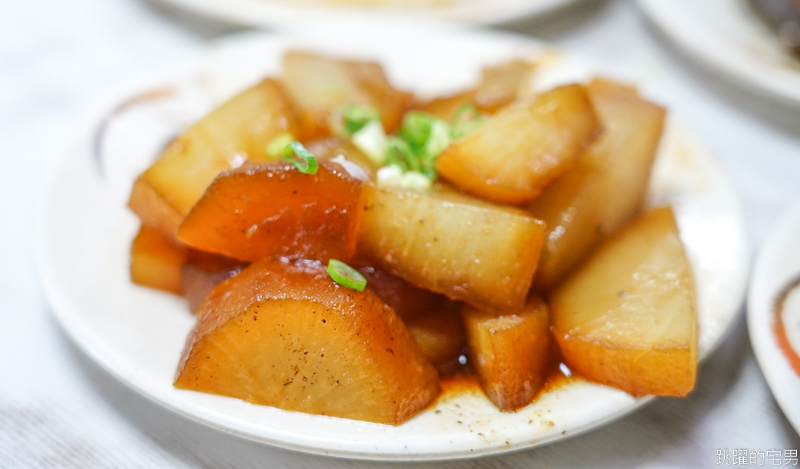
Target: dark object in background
[784,18]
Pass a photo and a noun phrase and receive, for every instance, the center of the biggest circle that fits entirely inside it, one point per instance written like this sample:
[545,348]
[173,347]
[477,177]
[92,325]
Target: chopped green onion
[389,176]
[426,136]
[416,128]
[415,181]
[359,115]
[393,176]
[371,139]
[345,275]
[438,140]
[275,146]
[425,133]
[429,172]
[465,121]
[398,153]
[301,158]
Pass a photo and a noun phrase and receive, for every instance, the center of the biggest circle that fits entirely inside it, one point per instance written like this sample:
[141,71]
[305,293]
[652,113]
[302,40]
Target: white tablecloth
[57,409]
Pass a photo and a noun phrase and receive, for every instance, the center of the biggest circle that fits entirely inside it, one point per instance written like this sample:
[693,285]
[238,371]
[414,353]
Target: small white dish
[728,38]
[284,14]
[83,234]
[777,267]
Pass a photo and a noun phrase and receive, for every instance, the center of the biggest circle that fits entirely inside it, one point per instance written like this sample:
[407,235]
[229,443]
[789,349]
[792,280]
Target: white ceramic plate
[726,37]
[84,231]
[777,265]
[285,14]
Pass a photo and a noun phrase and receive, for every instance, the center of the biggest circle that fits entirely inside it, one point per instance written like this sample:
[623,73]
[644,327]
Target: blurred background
[60,64]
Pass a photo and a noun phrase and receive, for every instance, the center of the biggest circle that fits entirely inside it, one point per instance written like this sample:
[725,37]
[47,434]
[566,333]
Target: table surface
[58,409]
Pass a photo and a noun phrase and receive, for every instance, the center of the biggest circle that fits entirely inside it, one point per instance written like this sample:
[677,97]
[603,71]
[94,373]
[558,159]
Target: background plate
[778,263]
[285,13]
[728,38]
[83,234]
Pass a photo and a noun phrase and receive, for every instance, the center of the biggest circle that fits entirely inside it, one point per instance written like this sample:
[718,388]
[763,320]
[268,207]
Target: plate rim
[730,70]
[276,15]
[771,360]
[62,308]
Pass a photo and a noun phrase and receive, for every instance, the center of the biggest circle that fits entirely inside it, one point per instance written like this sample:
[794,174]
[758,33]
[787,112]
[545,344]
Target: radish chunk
[236,131]
[274,210]
[468,249]
[627,317]
[510,352]
[515,153]
[285,335]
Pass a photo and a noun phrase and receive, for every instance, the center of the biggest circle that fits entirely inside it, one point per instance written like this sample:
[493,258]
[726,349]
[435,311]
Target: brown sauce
[779,329]
[464,380]
[460,383]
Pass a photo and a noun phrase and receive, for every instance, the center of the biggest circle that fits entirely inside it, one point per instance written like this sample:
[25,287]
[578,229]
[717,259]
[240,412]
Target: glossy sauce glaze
[779,327]
[462,379]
